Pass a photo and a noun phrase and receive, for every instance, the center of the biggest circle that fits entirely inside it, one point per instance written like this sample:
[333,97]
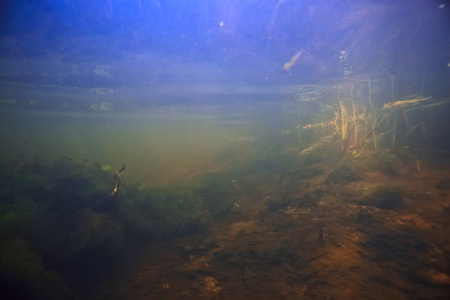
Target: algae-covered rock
[343,174]
[95,230]
[382,197]
[386,162]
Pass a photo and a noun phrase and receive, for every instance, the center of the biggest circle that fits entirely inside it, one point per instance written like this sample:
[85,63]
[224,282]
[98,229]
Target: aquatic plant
[23,274]
[42,205]
[361,127]
[66,213]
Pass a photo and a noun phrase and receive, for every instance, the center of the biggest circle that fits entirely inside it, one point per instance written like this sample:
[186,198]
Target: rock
[385,162]
[342,174]
[383,198]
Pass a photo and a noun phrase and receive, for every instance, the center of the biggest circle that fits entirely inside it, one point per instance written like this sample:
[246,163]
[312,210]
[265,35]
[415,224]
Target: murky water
[159,146]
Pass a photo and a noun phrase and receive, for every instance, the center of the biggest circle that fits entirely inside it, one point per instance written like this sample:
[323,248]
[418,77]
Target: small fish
[293,60]
[117,181]
[405,103]
[7,101]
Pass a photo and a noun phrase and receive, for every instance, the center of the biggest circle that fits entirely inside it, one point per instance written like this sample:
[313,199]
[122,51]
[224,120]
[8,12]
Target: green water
[159,146]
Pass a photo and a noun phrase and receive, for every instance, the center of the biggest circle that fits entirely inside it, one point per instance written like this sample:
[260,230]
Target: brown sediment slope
[382,237]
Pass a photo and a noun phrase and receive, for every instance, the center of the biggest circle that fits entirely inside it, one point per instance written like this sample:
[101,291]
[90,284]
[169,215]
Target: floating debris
[308,96]
[101,106]
[102,91]
[103,70]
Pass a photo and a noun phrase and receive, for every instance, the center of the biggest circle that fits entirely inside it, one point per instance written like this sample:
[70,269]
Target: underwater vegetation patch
[388,137]
[56,216]
[220,191]
[23,274]
[161,211]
